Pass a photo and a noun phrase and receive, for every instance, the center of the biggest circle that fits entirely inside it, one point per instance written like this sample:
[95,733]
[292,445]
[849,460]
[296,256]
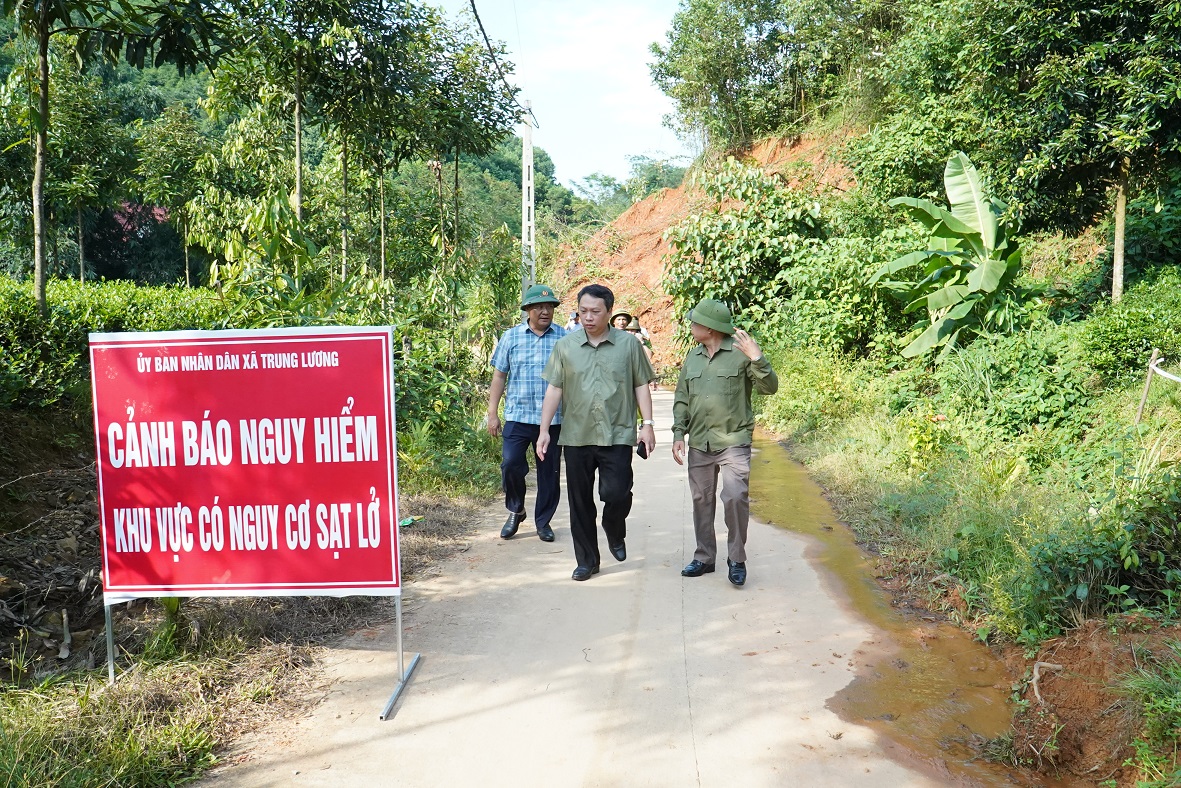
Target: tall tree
[179,31]
[740,70]
[470,107]
[1089,94]
[283,44]
[90,153]
[169,149]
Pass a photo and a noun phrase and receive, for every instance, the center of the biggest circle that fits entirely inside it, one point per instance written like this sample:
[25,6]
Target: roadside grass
[1030,525]
[1156,689]
[186,692]
[158,725]
[1020,524]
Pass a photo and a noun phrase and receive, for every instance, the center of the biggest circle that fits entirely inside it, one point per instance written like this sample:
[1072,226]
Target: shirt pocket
[730,383]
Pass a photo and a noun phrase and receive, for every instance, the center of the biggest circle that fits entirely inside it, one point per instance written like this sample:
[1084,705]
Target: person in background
[519,358]
[572,323]
[633,328]
[621,320]
[599,376]
[712,413]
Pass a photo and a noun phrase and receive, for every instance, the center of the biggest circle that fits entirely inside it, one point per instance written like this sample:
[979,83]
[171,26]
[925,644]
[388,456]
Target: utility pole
[528,263]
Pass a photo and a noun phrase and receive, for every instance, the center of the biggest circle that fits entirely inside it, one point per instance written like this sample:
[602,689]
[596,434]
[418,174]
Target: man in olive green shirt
[599,375]
[712,407]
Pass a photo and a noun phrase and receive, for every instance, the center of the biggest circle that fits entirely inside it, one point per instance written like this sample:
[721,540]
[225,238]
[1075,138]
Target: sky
[584,65]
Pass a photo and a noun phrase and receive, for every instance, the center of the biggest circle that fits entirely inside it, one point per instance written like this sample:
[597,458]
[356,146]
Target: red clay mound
[1083,726]
[628,254]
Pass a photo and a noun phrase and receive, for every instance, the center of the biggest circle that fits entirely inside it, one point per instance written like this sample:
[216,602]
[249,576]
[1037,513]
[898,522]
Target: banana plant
[966,278]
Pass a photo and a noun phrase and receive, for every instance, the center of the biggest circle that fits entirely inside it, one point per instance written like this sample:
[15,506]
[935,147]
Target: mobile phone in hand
[642,450]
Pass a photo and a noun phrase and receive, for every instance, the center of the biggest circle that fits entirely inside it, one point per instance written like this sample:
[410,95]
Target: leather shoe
[697,568]
[619,551]
[511,524]
[737,571]
[545,533]
[584,572]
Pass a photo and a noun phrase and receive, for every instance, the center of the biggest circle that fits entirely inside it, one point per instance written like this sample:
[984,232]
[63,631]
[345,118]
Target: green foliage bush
[1154,226]
[829,306]
[740,250]
[1029,381]
[45,358]
[816,391]
[1119,338]
[1121,556]
[903,156]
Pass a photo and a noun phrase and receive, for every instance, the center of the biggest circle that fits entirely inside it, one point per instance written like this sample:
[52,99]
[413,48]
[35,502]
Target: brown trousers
[734,466]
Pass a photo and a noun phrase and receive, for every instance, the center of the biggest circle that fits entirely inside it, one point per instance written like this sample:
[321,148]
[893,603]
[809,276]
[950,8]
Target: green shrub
[1029,381]
[45,358]
[739,250]
[1119,338]
[815,392]
[829,307]
[1153,235]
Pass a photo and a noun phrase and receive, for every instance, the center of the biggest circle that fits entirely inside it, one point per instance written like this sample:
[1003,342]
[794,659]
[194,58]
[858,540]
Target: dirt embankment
[628,254]
[1076,722]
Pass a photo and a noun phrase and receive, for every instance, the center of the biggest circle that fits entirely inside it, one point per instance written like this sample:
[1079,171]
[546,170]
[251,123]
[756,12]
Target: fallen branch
[57,472]
[1037,674]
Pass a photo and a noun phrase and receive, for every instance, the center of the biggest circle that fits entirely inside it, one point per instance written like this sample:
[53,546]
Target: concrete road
[636,677]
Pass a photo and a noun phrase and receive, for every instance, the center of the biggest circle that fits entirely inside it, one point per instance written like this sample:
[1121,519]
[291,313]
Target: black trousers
[614,466]
[518,437]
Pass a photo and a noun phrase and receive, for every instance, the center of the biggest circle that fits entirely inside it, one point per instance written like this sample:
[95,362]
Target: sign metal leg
[404,673]
[110,645]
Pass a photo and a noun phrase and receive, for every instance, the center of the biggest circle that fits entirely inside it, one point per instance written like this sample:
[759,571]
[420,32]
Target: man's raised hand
[746,343]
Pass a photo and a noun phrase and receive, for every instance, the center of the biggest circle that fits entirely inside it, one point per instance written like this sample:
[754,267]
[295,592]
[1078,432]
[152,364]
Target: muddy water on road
[926,686]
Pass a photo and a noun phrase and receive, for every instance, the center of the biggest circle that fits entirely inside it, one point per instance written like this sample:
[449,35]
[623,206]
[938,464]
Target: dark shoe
[511,524]
[619,551]
[584,572]
[697,568]
[737,571]
[545,533]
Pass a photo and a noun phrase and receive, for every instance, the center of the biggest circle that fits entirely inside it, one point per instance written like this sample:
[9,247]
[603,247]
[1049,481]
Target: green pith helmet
[539,294]
[621,314]
[712,314]
[634,325]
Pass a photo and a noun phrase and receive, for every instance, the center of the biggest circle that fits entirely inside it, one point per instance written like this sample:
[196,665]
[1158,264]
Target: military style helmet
[712,314]
[539,294]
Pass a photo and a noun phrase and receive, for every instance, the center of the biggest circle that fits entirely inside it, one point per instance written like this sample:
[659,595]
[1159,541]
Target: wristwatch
[648,423]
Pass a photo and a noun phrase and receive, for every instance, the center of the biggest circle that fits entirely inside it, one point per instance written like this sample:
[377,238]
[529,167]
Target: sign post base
[404,673]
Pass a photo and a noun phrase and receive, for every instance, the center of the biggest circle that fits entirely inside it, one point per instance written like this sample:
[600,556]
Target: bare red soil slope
[628,254]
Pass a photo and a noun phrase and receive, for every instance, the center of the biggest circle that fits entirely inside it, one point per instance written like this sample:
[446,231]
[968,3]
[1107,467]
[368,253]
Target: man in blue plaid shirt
[520,356]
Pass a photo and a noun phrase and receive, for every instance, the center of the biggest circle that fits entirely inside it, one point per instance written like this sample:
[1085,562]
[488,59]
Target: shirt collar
[611,335]
[726,344]
[527,330]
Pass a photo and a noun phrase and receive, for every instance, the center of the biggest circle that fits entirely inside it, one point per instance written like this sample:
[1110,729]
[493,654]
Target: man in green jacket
[712,409]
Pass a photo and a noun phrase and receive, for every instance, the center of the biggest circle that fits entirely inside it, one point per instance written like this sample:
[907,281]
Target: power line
[495,62]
